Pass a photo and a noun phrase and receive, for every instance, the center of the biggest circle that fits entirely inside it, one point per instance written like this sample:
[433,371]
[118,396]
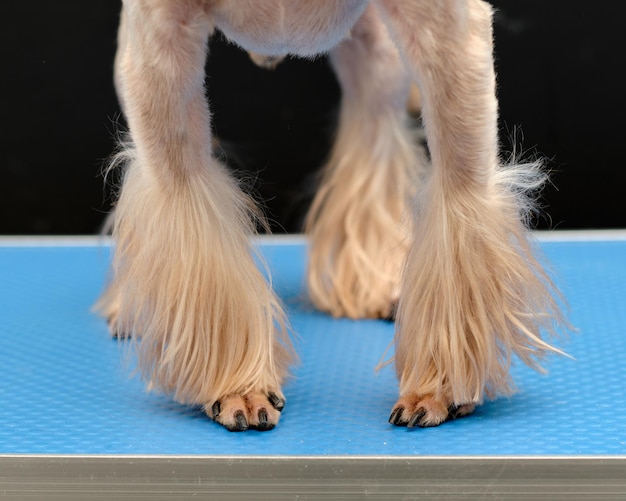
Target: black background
[561,80]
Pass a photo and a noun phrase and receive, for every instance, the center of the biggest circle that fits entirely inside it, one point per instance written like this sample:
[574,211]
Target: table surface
[66,387]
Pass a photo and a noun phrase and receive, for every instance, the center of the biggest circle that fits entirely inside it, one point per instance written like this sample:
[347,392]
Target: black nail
[415,420]
[277,402]
[391,316]
[242,423]
[396,416]
[264,424]
[453,411]
[216,409]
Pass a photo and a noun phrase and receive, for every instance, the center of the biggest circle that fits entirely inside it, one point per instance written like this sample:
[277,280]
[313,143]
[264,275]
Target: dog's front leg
[473,293]
[184,279]
[359,224]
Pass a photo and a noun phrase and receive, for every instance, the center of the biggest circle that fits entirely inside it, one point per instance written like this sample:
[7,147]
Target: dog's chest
[280,27]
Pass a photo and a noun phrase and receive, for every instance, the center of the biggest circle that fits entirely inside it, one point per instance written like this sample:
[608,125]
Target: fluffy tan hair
[359,224]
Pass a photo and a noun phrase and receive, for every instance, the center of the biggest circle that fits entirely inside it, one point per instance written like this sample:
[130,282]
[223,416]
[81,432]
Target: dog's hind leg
[185,284]
[359,222]
[473,293]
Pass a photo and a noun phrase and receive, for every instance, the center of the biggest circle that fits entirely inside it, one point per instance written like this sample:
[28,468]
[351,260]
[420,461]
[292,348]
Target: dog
[444,249]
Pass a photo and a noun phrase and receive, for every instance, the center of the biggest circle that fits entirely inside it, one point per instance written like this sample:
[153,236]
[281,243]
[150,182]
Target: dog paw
[115,331]
[424,411]
[255,410]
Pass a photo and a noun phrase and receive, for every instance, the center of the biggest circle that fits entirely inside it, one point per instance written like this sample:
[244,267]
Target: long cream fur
[359,223]
[449,246]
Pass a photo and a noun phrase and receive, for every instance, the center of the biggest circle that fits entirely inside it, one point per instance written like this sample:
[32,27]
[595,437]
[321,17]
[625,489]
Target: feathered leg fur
[473,293]
[185,281]
[359,222]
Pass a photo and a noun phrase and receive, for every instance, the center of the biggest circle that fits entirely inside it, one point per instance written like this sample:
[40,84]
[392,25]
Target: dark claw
[264,424]
[277,402]
[392,314]
[415,420]
[396,416]
[117,335]
[453,411]
[216,409]
[241,424]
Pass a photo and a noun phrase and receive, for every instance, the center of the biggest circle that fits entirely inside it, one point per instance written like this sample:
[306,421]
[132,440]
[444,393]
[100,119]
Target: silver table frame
[237,477]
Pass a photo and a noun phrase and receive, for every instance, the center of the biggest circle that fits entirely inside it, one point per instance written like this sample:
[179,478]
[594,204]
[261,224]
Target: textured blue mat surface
[65,387]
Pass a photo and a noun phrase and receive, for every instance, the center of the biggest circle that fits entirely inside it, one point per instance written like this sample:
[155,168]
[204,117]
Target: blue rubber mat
[66,388]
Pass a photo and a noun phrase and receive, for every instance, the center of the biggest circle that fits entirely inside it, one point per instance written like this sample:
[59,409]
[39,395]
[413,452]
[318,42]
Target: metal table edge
[290,477]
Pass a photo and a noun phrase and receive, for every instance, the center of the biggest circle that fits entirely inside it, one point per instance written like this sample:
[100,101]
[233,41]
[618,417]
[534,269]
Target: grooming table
[75,423]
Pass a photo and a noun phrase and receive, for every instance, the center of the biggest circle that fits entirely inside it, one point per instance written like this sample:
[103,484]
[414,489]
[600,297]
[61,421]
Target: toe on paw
[458,411]
[263,421]
[277,402]
[390,315]
[230,412]
[419,419]
[398,416]
[264,410]
[237,422]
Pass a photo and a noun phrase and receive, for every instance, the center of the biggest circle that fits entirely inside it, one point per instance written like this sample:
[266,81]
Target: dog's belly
[280,27]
